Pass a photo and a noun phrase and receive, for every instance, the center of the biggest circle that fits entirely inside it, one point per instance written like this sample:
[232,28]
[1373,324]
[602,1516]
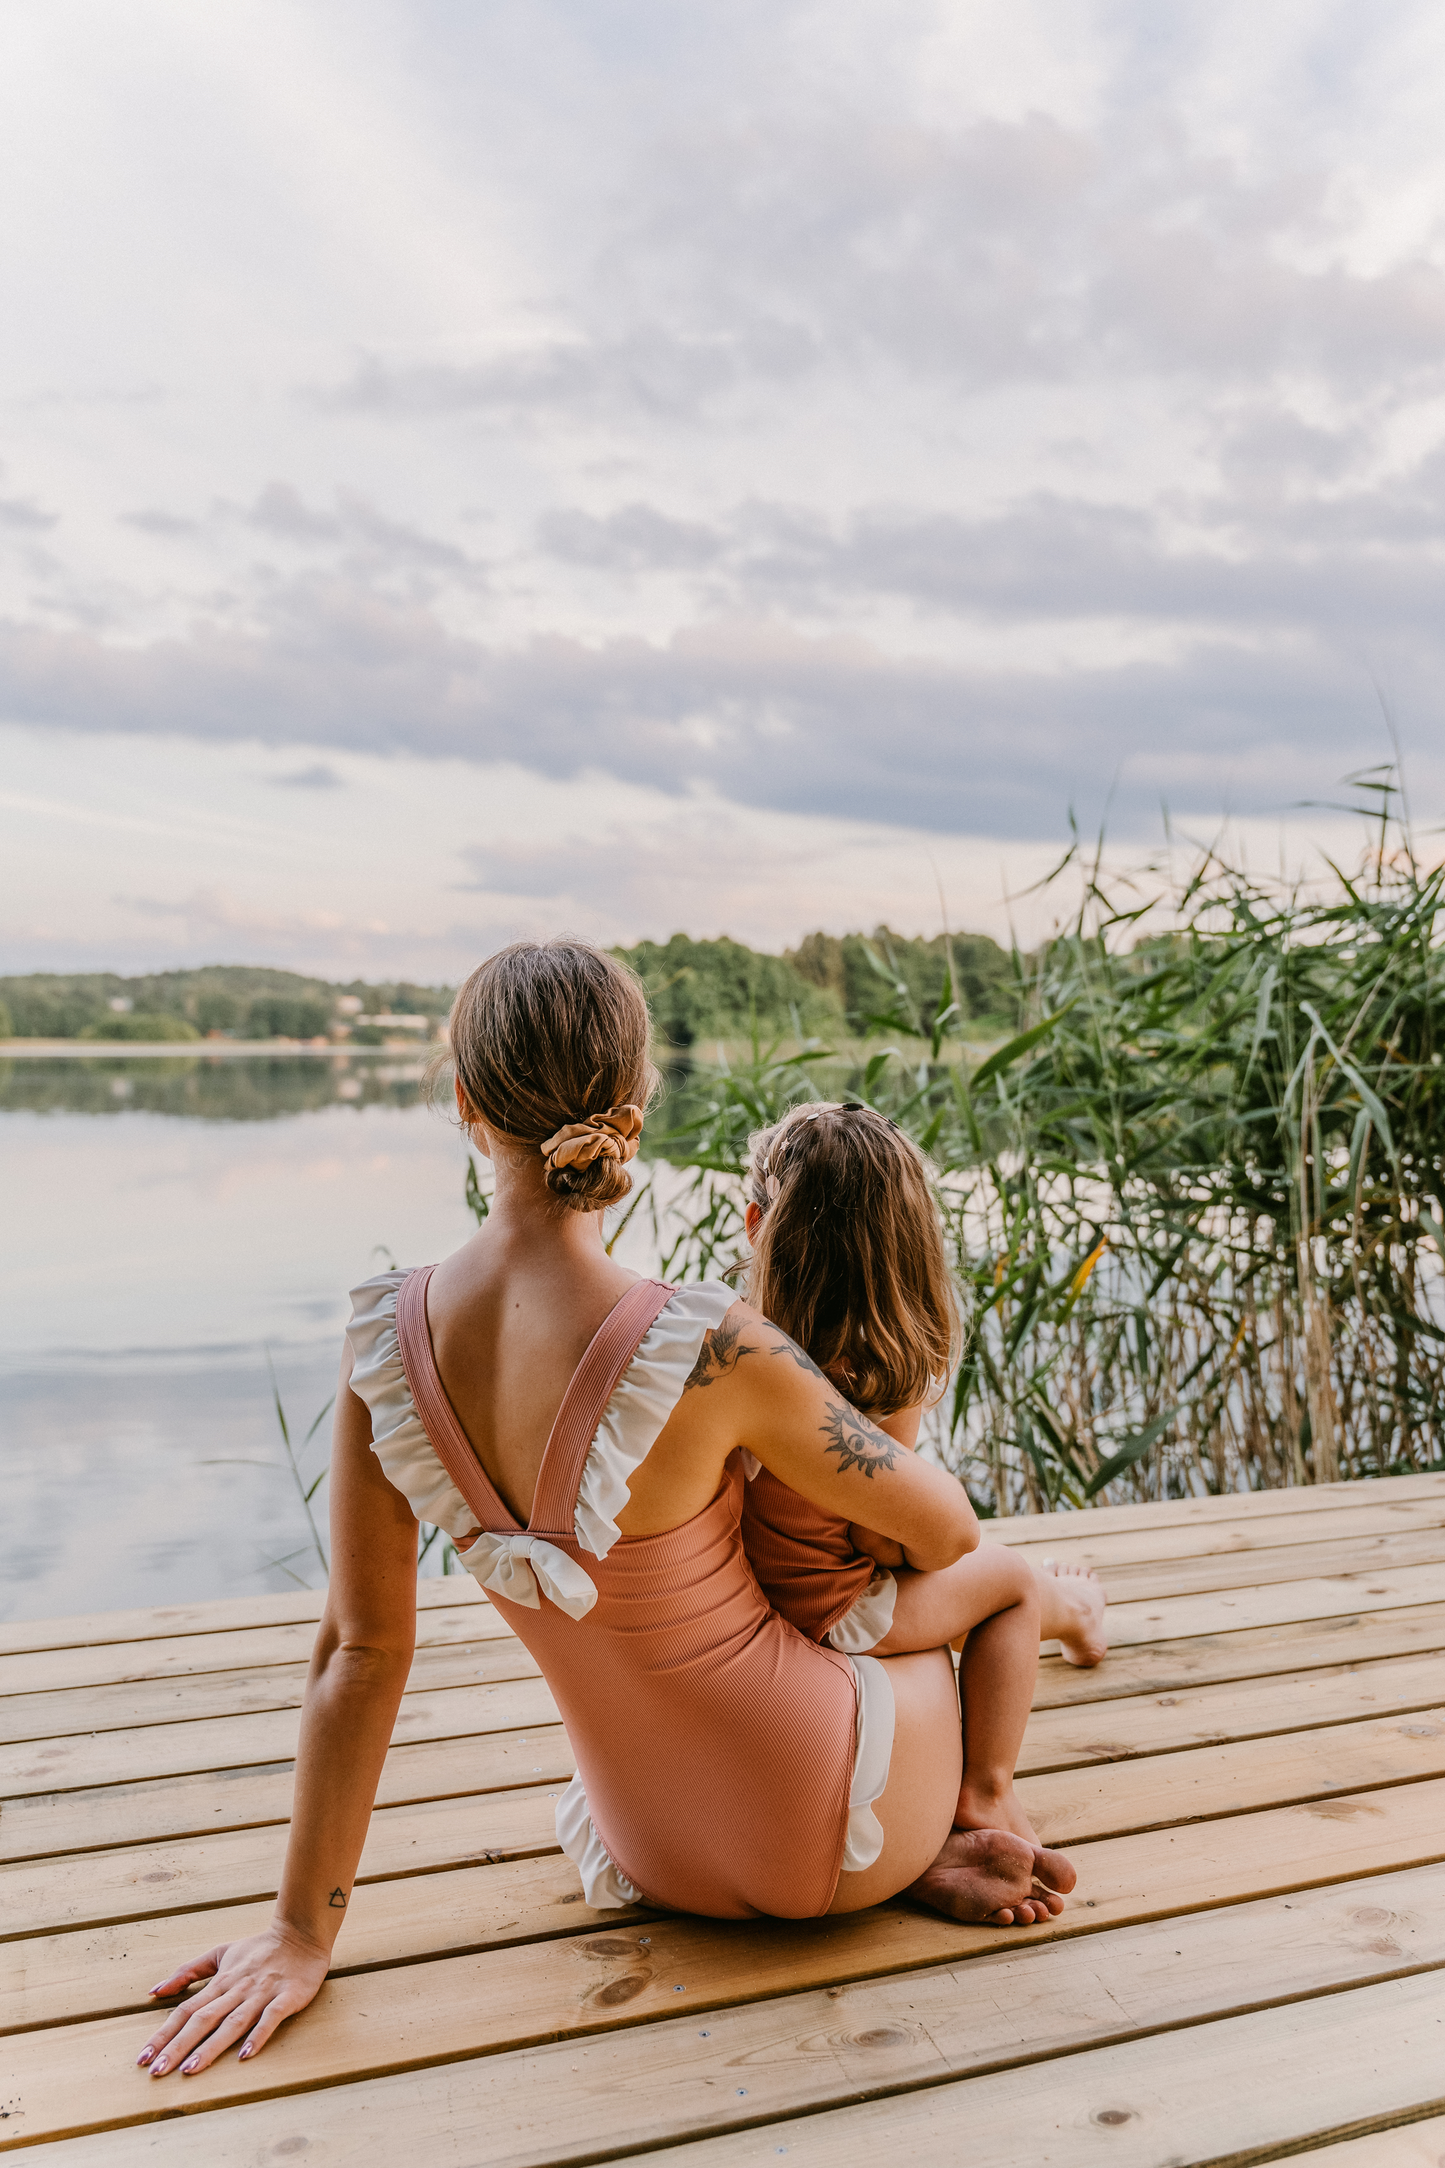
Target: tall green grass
[1196,1203]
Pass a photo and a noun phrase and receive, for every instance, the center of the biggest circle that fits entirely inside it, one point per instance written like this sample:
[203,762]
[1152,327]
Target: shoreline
[193,1049]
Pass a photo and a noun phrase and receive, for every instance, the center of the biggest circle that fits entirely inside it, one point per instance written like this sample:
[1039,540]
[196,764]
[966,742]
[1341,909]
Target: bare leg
[996,1685]
[983,1875]
[1071,1612]
[932,1608]
[994,1598]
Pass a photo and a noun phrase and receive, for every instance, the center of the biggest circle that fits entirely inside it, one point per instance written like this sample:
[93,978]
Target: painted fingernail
[158,2066]
[144,2056]
[246,2051]
[188,2070]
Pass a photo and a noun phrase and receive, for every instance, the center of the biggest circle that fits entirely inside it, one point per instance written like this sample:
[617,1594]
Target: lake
[170,1226]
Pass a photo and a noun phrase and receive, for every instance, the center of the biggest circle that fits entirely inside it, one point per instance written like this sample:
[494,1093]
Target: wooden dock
[1252,1968]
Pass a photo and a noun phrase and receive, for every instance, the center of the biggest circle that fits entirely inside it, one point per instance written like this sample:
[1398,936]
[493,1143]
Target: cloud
[317,777]
[748,708]
[909,414]
[164,524]
[26,515]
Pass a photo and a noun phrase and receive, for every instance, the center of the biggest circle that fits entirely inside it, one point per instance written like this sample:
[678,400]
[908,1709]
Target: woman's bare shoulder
[740,1333]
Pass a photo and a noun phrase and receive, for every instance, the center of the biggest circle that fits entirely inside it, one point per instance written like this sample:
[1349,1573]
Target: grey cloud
[638,538]
[317,777]
[281,512]
[1368,560]
[652,373]
[24,513]
[156,522]
[994,254]
[748,709]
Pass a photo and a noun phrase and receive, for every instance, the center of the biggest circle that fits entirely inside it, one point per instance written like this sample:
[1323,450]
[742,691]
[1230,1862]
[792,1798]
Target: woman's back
[509,1324]
[716,1748]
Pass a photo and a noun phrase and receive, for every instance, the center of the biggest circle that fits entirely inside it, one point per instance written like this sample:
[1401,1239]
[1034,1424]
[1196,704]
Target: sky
[619,468]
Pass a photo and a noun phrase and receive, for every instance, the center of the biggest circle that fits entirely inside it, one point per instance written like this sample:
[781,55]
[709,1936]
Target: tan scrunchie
[612,1135]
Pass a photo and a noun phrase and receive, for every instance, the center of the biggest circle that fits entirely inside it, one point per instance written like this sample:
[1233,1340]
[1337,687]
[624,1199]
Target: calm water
[166,1224]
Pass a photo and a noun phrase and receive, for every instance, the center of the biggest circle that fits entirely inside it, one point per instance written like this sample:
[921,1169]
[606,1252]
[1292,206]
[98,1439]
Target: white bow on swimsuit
[512,1564]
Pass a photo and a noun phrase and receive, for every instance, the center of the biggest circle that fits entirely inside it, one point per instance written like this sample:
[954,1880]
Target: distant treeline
[827,987]
[830,985]
[245,1001]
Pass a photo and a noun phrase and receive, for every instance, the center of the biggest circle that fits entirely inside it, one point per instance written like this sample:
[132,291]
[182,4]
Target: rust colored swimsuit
[727,1764]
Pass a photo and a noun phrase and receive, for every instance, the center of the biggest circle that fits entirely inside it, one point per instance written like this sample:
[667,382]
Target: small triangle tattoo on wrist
[337,1900]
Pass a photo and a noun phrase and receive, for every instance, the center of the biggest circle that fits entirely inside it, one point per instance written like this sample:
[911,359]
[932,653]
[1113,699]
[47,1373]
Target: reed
[1196,1202]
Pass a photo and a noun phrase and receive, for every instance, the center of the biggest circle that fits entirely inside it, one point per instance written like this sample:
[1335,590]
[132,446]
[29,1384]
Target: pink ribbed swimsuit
[715,1742]
[803,1557]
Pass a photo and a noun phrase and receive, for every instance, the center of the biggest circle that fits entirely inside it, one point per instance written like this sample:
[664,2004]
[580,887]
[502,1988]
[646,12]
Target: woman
[581,1435]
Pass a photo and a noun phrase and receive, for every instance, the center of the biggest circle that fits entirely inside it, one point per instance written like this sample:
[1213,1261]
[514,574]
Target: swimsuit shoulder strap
[584,1403]
[449,1441]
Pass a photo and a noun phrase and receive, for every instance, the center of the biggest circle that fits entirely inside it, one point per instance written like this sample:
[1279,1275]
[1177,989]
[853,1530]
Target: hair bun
[612,1135]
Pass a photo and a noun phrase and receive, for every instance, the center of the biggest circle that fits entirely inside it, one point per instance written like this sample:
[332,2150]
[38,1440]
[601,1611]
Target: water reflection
[169,1224]
[210,1087]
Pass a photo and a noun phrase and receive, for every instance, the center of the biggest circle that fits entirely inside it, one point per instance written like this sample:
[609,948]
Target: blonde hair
[849,1260]
[547,1033]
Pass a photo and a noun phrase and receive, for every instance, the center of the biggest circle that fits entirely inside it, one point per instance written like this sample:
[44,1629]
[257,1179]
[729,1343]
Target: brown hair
[549,1032]
[849,1260]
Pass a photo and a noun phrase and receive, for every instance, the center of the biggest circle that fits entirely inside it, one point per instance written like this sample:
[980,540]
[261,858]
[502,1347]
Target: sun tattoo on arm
[722,1350]
[858,1445]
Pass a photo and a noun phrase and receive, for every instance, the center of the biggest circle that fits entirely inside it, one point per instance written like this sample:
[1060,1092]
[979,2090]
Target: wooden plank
[50,1823]
[1068,1807]
[1207,1781]
[1351,2060]
[98,1629]
[1231,1506]
[1145,1724]
[45,1824]
[44,1896]
[1410,2145]
[1016,2008]
[83,1760]
[224,1615]
[1080,1543]
[1368,1555]
[232,1742]
[128,1707]
[1122,1881]
[1179,1868]
[99,1971]
[788,2056]
[1181,1618]
[242,1649]
[1254,1652]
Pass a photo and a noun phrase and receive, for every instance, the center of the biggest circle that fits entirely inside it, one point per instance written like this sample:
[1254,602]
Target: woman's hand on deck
[250,1986]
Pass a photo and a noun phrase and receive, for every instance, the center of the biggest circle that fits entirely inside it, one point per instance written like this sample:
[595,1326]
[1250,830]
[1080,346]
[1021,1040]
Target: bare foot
[1073,1606]
[985,1806]
[991,1877]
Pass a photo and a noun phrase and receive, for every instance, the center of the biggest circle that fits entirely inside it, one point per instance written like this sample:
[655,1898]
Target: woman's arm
[882,1549]
[358,1672]
[801,1428]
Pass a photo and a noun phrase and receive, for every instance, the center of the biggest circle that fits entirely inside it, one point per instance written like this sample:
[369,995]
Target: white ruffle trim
[406,1453]
[871,1760]
[868,1618]
[646,1395]
[604,1885]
